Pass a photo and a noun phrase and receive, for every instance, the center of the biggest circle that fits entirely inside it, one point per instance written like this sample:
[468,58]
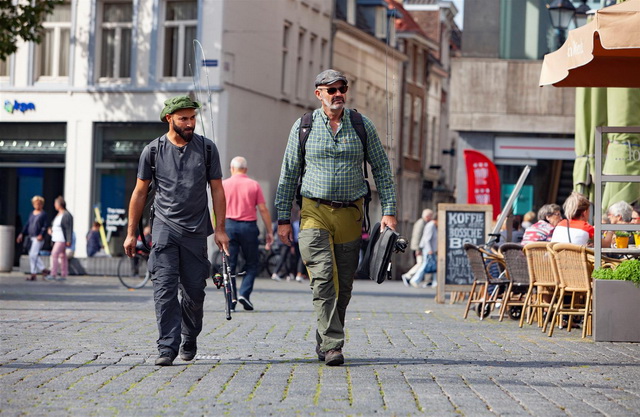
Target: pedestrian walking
[62,238]
[243,196]
[429,247]
[181,164]
[33,235]
[332,194]
[414,245]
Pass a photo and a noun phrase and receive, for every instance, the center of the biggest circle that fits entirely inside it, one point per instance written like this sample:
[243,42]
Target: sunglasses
[332,90]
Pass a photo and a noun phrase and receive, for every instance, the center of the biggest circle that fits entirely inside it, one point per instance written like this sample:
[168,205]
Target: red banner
[483,183]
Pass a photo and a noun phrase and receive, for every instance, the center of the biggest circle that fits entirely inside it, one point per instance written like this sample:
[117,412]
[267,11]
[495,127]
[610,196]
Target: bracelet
[284,221]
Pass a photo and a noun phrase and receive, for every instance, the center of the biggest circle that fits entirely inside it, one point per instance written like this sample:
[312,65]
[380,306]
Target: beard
[186,134]
[334,103]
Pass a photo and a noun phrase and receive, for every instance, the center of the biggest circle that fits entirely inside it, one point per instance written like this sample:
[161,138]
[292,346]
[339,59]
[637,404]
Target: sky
[460,6]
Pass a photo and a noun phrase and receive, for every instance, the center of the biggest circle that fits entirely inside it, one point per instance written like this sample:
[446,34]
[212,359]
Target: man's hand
[222,240]
[285,233]
[269,240]
[389,221]
[130,246]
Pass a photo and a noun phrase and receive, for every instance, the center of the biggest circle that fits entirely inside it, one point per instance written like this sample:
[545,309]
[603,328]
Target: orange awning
[603,53]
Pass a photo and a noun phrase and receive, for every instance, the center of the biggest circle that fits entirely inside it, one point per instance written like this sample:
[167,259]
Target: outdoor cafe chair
[573,269]
[542,283]
[483,265]
[515,263]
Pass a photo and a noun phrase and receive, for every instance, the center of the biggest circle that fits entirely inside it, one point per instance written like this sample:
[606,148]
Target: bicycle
[129,270]
[227,282]
[267,260]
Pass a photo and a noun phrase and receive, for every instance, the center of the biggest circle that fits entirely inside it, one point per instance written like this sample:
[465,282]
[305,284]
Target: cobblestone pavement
[87,346]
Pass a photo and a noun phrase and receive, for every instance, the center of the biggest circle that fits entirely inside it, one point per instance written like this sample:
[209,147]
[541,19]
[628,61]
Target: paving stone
[87,347]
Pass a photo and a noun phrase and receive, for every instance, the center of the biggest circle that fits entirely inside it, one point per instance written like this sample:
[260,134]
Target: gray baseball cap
[330,76]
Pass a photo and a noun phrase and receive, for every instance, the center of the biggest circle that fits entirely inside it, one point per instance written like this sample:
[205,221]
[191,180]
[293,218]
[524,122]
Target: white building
[80,106]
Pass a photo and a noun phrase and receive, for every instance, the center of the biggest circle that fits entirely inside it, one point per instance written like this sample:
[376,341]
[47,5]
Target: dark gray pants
[178,263]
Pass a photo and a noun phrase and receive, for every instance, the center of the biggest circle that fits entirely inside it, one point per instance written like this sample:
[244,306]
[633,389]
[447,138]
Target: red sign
[483,183]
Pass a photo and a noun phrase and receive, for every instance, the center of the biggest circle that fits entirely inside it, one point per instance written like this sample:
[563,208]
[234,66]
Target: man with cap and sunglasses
[333,188]
[182,222]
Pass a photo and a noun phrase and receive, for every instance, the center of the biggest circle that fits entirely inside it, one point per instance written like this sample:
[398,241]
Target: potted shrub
[616,303]
[622,239]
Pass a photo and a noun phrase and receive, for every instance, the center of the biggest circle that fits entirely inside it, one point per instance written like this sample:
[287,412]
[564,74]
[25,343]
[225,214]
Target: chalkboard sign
[459,224]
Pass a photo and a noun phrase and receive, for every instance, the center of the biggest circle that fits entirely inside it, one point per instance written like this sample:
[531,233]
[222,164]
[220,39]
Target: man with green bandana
[333,188]
[184,164]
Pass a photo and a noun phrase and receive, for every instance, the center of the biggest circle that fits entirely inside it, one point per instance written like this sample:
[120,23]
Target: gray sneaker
[245,303]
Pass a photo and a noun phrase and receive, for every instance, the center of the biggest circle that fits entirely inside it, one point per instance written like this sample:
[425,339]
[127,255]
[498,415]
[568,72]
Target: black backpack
[304,130]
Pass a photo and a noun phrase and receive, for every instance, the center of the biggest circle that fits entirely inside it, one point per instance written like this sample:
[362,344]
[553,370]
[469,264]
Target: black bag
[376,262]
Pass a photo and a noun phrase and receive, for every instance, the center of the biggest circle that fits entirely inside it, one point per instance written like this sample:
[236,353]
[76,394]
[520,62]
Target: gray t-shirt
[181,199]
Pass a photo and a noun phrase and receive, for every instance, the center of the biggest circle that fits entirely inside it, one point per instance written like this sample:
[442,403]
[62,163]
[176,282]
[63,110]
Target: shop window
[117,151]
[32,142]
[179,29]
[115,41]
[51,63]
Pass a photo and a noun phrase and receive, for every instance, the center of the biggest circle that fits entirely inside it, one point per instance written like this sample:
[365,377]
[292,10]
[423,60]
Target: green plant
[620,233]
[603,273]
[628,270]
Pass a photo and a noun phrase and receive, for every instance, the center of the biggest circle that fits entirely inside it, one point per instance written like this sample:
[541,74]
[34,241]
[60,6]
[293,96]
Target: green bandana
[177,103]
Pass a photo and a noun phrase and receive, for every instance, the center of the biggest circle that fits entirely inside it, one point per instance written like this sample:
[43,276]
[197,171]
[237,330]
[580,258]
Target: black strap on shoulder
[303,134]
[358,125]
[153,156]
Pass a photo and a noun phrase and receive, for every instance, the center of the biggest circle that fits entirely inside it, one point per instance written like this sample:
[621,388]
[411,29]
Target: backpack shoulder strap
[208,158]
[303,131]
[153,156]
[358,125]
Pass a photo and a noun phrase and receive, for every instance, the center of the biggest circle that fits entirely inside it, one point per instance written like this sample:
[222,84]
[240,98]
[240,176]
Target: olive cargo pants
[329,246]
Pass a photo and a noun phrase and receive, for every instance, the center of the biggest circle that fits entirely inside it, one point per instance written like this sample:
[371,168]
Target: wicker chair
[518,273]
[481,263]
[542,281]
[573,269]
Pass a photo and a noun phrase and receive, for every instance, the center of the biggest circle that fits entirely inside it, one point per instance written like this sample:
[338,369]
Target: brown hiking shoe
[320,353]
[333,357]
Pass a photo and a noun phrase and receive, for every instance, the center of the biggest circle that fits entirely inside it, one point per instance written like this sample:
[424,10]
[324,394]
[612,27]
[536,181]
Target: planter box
[616,309]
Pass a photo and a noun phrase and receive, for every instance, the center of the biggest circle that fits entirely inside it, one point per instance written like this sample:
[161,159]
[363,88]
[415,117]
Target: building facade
[499,109]
[80,106]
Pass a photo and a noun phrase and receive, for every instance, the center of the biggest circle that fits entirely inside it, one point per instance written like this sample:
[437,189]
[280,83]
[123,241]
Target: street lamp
[561,13]
[582,13]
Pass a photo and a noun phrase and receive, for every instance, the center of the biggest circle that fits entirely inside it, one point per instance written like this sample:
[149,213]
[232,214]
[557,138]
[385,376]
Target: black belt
[335,204]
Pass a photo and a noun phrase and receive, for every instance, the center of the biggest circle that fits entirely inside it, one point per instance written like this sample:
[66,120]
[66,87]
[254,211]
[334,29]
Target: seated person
[94,243]
[635,214]
[618,213]
[549,216]
[574,229]
[516,231]
[527,219]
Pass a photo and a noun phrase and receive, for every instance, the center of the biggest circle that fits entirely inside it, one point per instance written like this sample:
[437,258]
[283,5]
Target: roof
[406,23]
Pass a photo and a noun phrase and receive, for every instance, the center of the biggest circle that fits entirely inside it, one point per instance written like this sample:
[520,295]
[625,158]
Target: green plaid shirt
[333,165]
